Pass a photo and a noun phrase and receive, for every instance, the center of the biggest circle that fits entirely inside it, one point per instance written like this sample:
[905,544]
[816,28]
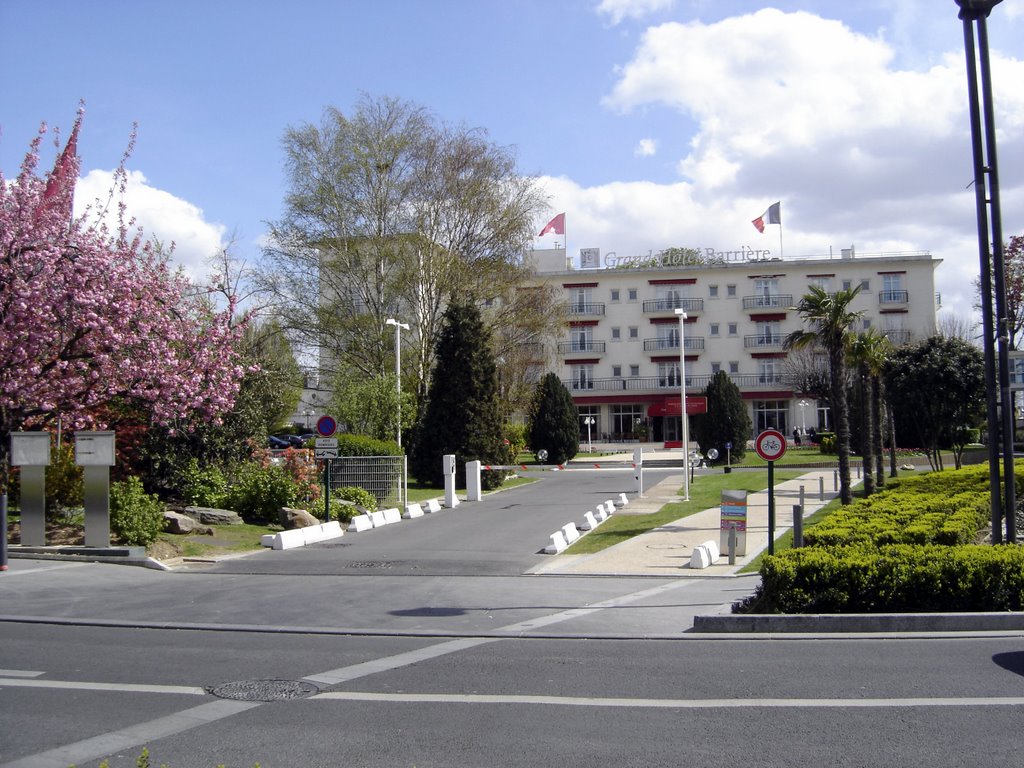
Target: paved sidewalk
[666,551]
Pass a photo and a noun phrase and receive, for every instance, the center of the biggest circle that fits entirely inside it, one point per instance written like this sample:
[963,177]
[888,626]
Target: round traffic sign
[770,445]
[326,426]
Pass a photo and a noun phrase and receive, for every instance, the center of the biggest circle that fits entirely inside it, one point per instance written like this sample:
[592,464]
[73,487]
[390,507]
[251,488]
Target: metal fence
[386,477]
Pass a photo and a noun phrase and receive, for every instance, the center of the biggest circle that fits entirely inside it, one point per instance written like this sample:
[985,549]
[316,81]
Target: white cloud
[646,148]
[160,214]
[617,10]
[798,108]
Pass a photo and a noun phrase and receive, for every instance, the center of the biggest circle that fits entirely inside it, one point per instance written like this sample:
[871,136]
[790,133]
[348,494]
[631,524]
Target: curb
[819,624]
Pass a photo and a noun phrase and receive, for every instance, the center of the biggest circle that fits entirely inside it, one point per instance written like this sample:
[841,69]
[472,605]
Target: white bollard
[570,532]
[589,522]
[474,490]
[557,544]
[450,499]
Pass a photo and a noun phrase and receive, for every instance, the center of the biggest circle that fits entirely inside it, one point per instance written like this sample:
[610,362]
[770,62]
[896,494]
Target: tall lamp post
[803,423]
[990,246]
[682,416]
[588,421]
[398,372]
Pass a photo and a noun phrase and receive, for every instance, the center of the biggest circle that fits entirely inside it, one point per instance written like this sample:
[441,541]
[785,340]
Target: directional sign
[325,453]
[770,445]
[326,426]
[327,442]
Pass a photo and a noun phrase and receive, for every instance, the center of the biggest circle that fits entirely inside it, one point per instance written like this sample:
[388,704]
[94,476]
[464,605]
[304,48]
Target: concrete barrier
[392,516]
[412,511]
[570,532]
[623,501]
[609,506]
[300,537]
[557,544]
[600,513]
[712,547]
[700,557]
[589,522]
[360,523]
[377,519]
[433,505]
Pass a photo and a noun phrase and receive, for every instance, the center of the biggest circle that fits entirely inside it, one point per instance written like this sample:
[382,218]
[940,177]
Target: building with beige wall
[619,354]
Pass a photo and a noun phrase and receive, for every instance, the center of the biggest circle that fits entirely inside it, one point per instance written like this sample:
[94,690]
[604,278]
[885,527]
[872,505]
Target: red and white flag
[772,216]
[556,225]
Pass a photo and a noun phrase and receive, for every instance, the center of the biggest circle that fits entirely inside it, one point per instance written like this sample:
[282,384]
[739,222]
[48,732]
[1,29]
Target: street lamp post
[992,274]
[588,421]
[803,422]
[398,372]
[682,390]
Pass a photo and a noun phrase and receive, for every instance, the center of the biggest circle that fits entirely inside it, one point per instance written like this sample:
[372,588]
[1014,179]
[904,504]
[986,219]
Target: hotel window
[892,290]
[734,329]
[734,366]
[634,332]
[634,370]
[581,299]
[824,283]
[632,294]
[769,372]
[713,291]
[715,368]
[616,334]
[582,337]
[771,414]
[668,374]
[625,418]
[617,371]
[582,376]
[714,329]
[615,294]
[730,291]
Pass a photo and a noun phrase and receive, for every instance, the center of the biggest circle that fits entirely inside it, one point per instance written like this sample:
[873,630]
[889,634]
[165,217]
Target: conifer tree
[554,421]
[463,413]
[726,420]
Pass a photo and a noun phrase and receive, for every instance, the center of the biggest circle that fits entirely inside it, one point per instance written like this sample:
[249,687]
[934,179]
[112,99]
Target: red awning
[672,406]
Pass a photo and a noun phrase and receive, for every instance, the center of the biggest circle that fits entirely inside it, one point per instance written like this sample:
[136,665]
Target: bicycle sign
[770,445]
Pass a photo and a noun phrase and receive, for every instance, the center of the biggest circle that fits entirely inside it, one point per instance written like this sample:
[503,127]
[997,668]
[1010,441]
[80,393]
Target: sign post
[771,446]
[326,449]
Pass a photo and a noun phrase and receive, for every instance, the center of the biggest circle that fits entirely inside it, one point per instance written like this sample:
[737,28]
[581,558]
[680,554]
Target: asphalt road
[450,657]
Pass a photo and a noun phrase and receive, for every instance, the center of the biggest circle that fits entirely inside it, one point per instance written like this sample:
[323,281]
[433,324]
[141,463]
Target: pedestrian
[796,436]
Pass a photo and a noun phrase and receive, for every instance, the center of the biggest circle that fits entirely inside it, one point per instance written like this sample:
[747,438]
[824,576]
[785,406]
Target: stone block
[413,511]
[377,518]
[291,517]
[175,522]
[433,505]
[211,516]
[392,515]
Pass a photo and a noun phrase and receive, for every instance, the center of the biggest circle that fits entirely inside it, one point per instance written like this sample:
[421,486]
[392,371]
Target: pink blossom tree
[89,317]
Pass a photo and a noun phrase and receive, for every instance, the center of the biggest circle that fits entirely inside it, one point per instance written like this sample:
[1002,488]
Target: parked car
[277,443]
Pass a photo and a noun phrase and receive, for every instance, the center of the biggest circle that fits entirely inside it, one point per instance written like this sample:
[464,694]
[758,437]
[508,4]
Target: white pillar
[474,490]
[450,499]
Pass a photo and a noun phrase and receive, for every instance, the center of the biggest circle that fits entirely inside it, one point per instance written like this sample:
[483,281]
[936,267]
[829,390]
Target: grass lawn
[703,495]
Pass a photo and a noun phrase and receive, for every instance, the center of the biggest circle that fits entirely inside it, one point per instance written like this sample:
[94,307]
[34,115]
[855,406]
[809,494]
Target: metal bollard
[835,480]
[798,525]
[821,488]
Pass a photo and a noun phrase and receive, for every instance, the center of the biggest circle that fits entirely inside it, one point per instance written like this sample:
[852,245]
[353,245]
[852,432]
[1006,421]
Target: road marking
[41,568]
[586,701]
[134,735]
[87,686]
[19,673]
[388,663]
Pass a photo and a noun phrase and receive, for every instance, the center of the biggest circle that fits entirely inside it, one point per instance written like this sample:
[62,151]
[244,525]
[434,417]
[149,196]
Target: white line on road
[19,673]
[87,686]
[586,701]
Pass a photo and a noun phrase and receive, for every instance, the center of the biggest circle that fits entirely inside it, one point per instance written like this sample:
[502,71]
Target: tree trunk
[842,414]
[876,399]
[892,440]
[867,435]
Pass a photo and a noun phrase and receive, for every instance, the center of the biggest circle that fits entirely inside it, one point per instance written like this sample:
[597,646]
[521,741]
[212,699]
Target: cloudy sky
[650,123]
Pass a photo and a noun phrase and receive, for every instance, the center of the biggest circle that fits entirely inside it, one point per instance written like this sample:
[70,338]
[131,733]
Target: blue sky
[651,123]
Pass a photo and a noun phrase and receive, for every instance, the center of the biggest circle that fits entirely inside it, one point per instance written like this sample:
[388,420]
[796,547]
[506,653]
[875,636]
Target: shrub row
[895,579]
[905,549]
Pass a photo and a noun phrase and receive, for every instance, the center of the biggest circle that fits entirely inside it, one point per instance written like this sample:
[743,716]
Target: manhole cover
[264,690]
[371,564]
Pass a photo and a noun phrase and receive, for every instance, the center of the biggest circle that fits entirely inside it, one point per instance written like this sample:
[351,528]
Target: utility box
[31,452]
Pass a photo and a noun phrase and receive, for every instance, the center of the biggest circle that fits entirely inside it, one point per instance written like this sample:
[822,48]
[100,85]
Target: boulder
[296,518]
[175,522]
[211,516]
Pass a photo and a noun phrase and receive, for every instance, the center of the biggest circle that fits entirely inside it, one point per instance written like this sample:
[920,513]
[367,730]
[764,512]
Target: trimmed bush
[259,492]
[361,445]
[136,517]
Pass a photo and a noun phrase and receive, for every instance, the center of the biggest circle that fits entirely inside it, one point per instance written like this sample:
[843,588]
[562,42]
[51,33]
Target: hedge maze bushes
[907,549]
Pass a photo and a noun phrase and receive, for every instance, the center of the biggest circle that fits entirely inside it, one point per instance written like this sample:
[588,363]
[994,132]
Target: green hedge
[895,579]
[906,549]
[360,445]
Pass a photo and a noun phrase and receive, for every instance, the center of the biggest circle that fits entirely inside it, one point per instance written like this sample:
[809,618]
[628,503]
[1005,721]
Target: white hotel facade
[619,354]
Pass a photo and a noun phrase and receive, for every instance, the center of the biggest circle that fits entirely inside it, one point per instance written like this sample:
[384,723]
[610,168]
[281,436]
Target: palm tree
[868,352]
[830,317]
